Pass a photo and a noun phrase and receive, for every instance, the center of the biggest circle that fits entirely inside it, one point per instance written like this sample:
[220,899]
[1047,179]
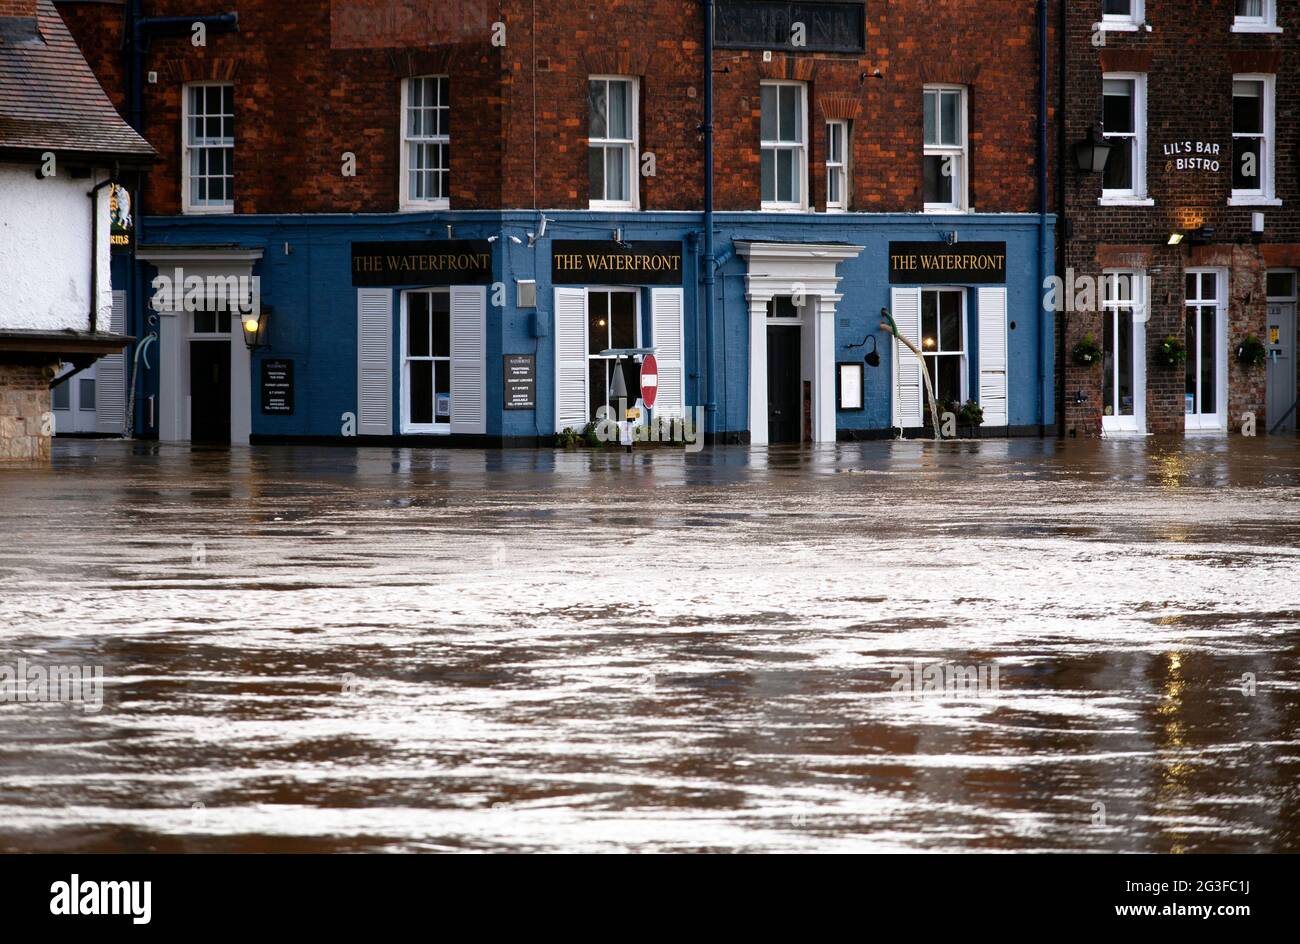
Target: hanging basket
[1251,352]
[1171,352]
[1086,353]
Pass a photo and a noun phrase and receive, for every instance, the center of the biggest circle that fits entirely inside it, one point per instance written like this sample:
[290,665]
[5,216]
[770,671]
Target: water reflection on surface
[316,649]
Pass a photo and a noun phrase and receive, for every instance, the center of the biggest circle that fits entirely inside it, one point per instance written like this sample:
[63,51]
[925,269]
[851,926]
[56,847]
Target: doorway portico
[805,276]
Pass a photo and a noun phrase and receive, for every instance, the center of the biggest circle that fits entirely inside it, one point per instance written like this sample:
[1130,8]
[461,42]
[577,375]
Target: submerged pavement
[971,646]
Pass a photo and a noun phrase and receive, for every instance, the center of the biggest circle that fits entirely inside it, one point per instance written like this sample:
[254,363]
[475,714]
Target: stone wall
[25,419]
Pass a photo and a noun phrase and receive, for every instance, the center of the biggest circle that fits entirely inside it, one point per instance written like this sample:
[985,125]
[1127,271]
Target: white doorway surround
[176,328]
[802,271]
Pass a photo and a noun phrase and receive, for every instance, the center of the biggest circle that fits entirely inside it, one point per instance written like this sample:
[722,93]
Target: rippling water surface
[326,649]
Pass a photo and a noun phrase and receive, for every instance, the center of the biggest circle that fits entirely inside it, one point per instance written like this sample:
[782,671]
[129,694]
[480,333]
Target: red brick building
[1190,235]
[878,129]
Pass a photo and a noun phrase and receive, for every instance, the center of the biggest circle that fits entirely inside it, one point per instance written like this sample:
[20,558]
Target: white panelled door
[469,359]
[993,355]
[571,401]
[374,362]
[669,343]
[909,394]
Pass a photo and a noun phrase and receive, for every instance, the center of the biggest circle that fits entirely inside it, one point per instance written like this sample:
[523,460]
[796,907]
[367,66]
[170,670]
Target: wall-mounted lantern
[1092,152]
[255,325]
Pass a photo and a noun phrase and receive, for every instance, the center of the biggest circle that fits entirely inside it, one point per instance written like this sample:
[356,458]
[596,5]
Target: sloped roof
[51,100]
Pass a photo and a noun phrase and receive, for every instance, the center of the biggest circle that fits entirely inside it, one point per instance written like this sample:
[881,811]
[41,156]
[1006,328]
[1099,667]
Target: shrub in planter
[1171,352]
[1251,352]
[1086,353]
[568,438]
[972,414]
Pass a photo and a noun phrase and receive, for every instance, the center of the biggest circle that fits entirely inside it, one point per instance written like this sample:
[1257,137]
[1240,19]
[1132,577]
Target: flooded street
[315,649]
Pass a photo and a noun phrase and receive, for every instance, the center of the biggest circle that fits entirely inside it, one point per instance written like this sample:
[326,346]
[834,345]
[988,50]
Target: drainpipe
[710,257]
[1047,339]
[141,27]
[1062,168]
[94,248]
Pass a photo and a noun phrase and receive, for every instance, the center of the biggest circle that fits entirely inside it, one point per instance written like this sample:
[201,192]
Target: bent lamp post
[887,324]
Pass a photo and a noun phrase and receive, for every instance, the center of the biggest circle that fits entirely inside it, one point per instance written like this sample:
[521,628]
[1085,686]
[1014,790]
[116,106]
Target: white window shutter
[469,359]
[110,377]
[993,355]
[669,345]
[909,393]
[571,401]
[374,362]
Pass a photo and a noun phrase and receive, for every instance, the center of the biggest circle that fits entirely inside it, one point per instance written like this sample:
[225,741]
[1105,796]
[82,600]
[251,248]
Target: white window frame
[962,355]
[435,428]
[406,202]
[640,331]
[189,208]
[1216,422]
[1265,23]
[1265,196]
[1137,194]
[800,148]
[840,169]
[1124,22]
[960,187]
[633,144]
[1137,302]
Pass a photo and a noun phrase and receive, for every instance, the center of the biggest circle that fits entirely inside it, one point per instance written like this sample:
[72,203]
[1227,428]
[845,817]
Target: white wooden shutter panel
[469,359]
[909,393]
[669,340]
[374,362]
[110,374]
[993,355]
[571,402]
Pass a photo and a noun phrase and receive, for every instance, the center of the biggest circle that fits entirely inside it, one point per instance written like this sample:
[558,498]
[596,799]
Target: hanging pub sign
[121,226]
[427,262]
[940,264]
[601,262]
[521,382]
[277,387]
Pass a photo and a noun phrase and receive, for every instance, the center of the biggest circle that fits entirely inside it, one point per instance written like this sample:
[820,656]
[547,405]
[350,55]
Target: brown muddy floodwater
[388,649]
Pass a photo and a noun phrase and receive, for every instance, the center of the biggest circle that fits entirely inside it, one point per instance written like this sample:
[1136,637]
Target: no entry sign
[649,380]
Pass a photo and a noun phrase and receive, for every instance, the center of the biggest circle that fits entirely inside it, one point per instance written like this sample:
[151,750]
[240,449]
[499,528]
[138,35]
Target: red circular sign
[649,380]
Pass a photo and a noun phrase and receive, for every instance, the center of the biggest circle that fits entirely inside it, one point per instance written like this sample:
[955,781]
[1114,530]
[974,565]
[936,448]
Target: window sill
[1120,27]
[1256,28]
[425,206]
[208,211]
[443,430]
[946,210]
[1253,201]
[782,208]
[611,205]
[1126,201]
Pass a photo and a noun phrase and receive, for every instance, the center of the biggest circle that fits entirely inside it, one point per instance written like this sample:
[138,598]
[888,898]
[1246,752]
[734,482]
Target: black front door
[783,372]
[210,391]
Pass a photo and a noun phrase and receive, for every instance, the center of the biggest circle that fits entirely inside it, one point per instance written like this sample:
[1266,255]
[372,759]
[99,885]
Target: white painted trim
[1265,195]
[1126,201]
[1216,422]
[404,202]
[961,186]
[1139,189]
[634,171]
[1135,425]
[810,270]
[776,206]
[404,367]
[186,208]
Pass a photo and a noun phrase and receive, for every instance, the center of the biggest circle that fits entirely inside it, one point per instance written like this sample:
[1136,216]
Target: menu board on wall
[521,382]
[277,387]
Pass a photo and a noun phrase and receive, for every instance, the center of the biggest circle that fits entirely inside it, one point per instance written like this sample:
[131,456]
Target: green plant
[589,435]
[1086,352]
[568,438]
[1251,352]
[972,414]
[1171,352]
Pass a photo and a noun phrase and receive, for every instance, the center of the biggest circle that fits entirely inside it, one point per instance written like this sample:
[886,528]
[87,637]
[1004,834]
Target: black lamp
[1092,152]
[873,356]
[255,327]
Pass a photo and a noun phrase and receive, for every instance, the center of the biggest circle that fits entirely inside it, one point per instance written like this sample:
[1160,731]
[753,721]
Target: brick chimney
[19,8]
